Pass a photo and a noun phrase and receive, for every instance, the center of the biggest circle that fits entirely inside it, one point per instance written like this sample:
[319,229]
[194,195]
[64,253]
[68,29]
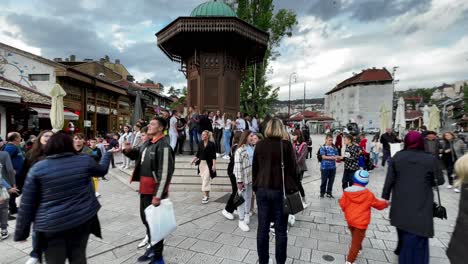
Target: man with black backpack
[327,156]
[17,159]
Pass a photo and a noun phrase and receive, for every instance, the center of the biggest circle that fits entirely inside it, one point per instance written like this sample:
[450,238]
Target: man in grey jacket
[7,181]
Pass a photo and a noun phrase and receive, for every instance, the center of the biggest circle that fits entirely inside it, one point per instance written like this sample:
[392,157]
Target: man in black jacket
[154,167]
[386,139]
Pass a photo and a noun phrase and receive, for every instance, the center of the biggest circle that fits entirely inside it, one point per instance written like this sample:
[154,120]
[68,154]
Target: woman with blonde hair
[243,171]
[456,250]
[206,161]
[452,149]
[268,185]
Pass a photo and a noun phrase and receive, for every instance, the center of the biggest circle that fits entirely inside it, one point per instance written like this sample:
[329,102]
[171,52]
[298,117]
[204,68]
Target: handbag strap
[437,188]
[282,167]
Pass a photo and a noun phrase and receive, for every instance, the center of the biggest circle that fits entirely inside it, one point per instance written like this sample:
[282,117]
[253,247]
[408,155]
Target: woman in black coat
[456,251]
[410,178]
[206,160]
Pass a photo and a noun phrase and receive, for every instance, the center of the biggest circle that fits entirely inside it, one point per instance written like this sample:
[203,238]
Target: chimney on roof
[107,58]
[130,78]
[72,58]
[117,61]
[58,59]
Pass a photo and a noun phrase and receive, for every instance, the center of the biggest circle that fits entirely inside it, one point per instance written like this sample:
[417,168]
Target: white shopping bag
[161,220]
[394,148]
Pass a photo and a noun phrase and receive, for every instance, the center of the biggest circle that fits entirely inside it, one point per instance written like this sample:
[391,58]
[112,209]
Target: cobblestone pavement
[205,236]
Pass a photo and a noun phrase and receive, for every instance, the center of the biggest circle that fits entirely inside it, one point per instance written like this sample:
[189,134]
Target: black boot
[149,254]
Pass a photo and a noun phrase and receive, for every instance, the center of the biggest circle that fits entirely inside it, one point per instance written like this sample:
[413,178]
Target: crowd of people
[58,175]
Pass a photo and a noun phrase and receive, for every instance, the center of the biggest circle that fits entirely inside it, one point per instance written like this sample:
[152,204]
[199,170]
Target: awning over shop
[45,113]
[9,95]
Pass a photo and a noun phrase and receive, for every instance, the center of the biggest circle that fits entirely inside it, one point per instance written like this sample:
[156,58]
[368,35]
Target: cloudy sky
[427,39]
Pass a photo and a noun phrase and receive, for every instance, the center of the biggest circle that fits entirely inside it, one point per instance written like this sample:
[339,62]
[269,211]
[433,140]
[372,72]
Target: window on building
[39,77]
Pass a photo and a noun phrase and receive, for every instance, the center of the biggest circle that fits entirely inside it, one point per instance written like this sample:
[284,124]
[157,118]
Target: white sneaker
[98,195]
[243,226]
[228,215]
[226,157]
[456,190]
[127,167]
[291,220]
[270,261]
[247,219]
[449,186]
[32,261]
[122,167]
[235,212]
[218,155]
[205,200]
[305,205]
[143,243]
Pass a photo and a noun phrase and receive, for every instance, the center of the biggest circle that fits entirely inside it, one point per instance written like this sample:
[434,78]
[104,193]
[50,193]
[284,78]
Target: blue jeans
[193,134]
[270,209]
[375,158]
[328,177]
[227,141]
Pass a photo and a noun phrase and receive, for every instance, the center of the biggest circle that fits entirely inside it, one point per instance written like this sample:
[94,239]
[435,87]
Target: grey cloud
[57,38]
[366,10]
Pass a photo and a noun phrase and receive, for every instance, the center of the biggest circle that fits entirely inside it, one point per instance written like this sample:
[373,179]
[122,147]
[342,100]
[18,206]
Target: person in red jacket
[356,204]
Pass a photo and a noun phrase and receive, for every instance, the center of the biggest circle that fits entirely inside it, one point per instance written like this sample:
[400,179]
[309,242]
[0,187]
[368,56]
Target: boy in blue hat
[356,204]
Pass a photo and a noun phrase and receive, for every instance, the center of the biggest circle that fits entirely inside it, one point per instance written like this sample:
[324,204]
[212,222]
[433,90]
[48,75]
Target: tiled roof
[366,76]
[309,115]
[28,95]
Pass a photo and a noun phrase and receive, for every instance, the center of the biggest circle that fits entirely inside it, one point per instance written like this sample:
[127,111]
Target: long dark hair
[37,150]
[58,144]
[244,137]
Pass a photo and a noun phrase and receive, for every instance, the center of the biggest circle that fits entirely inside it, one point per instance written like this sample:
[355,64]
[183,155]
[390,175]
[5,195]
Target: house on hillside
[359,98]
[449,90]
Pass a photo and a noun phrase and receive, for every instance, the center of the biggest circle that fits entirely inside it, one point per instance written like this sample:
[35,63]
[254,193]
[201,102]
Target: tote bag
[161,220]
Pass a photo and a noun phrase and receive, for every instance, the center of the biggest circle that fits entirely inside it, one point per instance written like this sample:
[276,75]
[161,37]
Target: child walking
[356,204]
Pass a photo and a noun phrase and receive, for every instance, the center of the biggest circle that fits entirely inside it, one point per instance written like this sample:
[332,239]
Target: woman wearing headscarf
[410,178]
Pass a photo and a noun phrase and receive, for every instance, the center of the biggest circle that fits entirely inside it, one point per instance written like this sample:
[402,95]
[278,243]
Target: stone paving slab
[205,236]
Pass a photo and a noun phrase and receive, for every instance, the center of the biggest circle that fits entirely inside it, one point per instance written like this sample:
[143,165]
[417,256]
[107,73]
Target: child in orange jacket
[356,204]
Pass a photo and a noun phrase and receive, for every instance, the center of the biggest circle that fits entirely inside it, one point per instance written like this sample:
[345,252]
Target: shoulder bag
[438,210]
[292,203]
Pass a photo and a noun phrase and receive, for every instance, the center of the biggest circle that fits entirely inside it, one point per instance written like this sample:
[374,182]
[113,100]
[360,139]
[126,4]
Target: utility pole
[303,104]
[393,92]
[294,74]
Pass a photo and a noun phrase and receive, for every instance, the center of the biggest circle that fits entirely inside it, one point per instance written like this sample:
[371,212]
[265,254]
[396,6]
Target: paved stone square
[205,236]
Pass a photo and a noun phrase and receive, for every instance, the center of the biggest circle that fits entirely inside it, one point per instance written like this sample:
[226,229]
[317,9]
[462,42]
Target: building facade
[359,98]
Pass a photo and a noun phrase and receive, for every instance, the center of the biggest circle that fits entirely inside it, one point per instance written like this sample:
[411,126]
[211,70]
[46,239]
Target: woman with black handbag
[410,178]
[234,199]
[206,161]
[274,179]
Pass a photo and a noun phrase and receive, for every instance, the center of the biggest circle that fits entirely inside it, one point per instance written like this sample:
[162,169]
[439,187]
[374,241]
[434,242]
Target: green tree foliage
[173,91]
[149,81]
[182,99]
[255,95]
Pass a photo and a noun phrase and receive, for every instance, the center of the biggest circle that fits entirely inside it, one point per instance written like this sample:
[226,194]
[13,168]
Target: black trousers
[347,180]
[69,244]
[229,205]
[449,166]
[218,134]
[385,156]
[309,154]
[180,144]
[145,201]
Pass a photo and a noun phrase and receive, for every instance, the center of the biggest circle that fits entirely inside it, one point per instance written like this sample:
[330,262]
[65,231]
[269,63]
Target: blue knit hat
[361,177]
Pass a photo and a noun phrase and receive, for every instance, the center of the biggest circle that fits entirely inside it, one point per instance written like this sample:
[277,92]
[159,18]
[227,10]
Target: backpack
[319,157]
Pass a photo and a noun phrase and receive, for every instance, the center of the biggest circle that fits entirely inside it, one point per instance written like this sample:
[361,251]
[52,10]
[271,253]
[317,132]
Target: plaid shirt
[351,157]
[242,165]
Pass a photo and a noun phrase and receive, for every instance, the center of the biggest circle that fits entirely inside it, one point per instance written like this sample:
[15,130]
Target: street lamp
[292,75]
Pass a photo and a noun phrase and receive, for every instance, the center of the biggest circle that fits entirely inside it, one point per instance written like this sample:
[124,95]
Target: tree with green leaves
[149,81]
[255,95]
[182,99]
[173,91]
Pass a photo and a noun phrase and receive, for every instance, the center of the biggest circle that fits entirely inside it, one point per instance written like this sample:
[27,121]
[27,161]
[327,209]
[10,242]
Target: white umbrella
[384,119]
[434,119]
[400,119]
[56,111]
[426,115]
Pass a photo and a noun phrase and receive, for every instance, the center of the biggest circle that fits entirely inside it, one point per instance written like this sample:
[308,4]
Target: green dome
[213,8]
